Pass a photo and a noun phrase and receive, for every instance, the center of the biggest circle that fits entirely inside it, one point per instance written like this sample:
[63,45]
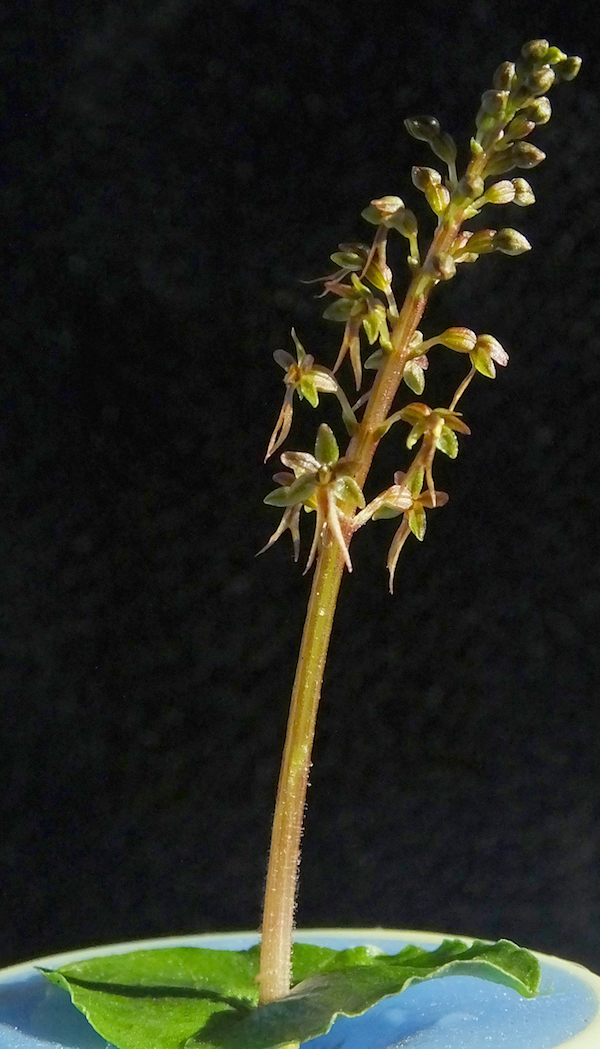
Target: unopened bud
[568,68]
[554,55]
[493,102]
[429,182]
[442,266]
[460,339]
[504,77]
[521,96]
[539,111]
[519,128]
[500,193]
[526,155]
[423,128]
[524,194]
[540,80]
[482,241]
[511,242]
[425,178]
[535,51]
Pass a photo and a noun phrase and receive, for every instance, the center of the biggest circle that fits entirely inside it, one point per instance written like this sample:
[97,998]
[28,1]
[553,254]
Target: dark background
[171,170]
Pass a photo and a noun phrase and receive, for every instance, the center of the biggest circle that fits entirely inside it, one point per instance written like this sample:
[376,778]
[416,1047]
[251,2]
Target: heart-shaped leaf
[204,999]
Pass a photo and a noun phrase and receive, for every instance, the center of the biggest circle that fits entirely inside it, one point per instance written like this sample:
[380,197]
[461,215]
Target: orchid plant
[276,994]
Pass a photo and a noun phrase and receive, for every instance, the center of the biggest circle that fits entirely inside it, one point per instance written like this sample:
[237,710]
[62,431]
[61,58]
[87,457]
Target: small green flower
[403,497]
[484,350]
[439,423]
[322,483]
[359,308]
[307,379]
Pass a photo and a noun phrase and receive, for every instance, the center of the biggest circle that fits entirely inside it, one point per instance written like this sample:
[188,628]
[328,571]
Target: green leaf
[297,492]
[347,260]
[300,351]
[326,447]
[447,442]
[417,521]
[483,363]
[339,310]
[384,513]
[372,215]
[415,434]
[307,389]
[375,359]
[347,490]
[415,482]
[414,377]
[202,999]
[159,998]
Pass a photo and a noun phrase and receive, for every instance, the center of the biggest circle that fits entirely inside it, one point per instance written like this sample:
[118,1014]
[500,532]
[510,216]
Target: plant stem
[280,895]
[284,856]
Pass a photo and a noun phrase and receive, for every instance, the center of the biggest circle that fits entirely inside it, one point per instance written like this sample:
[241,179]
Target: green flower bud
[540,80]
[535,51]
[526,155]
[430,182]
[554,55]
[523,192]
[568,68]
[493,103]
[539,111]
[424,178]
[521,96]
[442,266]
[511,242]
[500,193]
[520,127]
[327,451]
[423,128]
[482,241]
[505,76]
[460,339]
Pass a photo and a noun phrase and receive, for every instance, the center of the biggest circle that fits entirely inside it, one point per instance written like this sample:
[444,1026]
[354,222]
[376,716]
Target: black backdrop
[171,170]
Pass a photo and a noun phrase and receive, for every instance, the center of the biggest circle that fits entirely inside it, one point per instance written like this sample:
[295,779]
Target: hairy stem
[282,875]
[284,856]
